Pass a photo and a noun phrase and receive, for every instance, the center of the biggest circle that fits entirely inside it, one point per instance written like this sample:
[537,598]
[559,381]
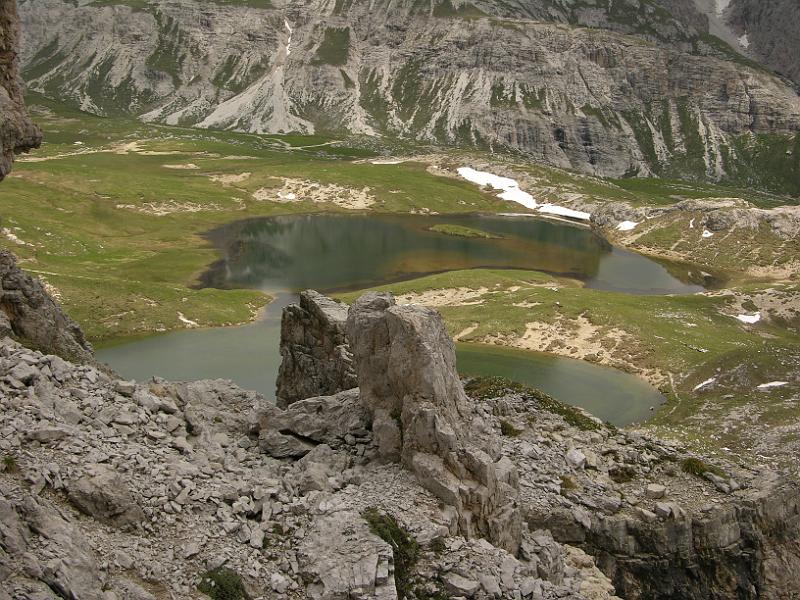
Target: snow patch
[707,233]
[750,319]
[691,224]
[744,41]
[626,226]
[510,190]
[704,384]
[509,187]
[553,209]
[772,384]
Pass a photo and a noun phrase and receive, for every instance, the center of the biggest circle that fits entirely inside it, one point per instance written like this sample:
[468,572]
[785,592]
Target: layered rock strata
[599,87]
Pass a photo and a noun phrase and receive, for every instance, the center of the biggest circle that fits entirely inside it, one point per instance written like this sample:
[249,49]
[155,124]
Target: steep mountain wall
[599,87]
[17,133]
[771,32]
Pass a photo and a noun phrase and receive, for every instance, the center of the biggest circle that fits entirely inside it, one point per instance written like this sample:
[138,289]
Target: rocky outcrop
[17,132]
[603,88]
[660,522]
[315,360]
[27,312]
[140,491]
[406,366]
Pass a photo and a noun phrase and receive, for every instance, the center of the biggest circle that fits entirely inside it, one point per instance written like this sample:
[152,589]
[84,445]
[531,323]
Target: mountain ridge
[590,88]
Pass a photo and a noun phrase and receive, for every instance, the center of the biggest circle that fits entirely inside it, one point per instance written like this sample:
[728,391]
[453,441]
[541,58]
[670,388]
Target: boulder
[106,497]
[323,419]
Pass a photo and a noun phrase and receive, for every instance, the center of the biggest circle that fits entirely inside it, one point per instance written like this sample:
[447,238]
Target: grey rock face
[17,132]
[315,358]
[28,312]
[341,558]
[408,380]
[332,420]
[73,572]
[771,32]
[603,88]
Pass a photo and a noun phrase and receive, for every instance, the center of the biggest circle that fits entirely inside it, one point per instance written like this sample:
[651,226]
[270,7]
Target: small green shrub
[404,547]
[223,584]
[698,468]
[438,546]
[10,464]
[507,429]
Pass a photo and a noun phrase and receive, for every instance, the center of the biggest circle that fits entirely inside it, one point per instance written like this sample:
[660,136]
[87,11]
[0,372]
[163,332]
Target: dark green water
[350,252]
[284,255]
[612,395]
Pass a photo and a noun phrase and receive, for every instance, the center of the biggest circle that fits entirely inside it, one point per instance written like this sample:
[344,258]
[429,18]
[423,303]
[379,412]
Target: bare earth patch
[183,167]
[579,339]
[161,209]
[445,297]
[301,190]
[231,179]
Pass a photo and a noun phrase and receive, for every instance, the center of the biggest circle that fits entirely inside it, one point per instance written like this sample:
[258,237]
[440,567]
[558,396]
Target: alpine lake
[337,253]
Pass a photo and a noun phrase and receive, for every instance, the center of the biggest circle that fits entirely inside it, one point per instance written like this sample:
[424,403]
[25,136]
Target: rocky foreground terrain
[409,485]
[608,88]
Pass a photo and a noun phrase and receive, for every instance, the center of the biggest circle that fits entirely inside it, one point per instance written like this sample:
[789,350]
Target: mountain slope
[597,87]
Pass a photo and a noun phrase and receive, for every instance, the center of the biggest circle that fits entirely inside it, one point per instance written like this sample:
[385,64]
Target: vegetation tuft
[405,548]
[223,584]
[10,464]
[698,468]
[507,429]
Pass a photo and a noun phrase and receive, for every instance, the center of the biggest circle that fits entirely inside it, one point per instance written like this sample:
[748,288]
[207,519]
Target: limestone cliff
[769,30]
[604,87]
[17,132]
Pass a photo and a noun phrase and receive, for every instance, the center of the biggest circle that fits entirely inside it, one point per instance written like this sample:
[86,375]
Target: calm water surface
[285,255]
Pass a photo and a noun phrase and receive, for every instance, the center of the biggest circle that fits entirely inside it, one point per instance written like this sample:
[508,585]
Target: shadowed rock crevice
[315,357]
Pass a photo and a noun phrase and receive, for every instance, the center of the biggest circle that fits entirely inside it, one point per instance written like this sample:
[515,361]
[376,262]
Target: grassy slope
[122,272]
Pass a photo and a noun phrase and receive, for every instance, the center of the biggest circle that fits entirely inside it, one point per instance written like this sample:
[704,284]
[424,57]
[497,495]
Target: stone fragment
[456,585]
[654,491]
